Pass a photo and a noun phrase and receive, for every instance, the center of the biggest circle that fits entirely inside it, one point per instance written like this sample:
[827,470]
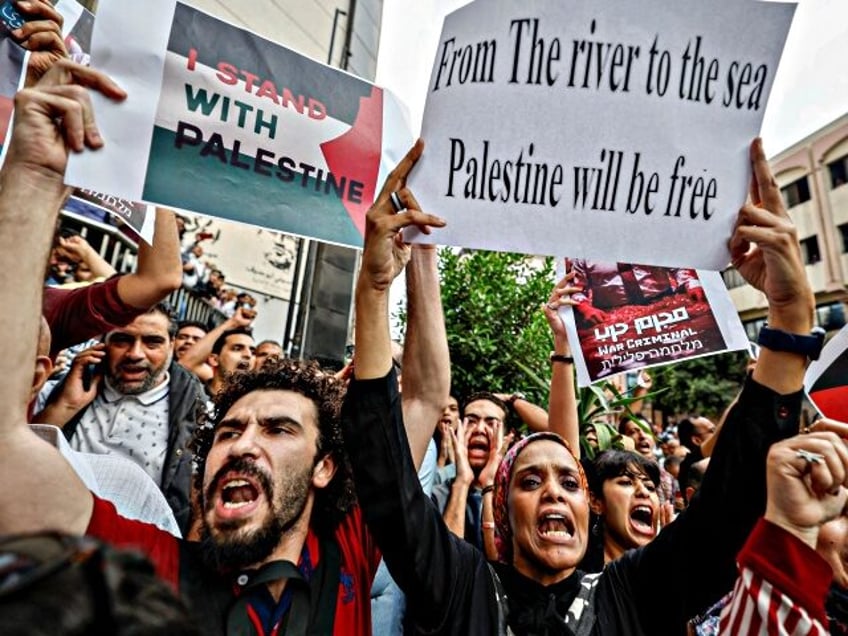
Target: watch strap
[779,340]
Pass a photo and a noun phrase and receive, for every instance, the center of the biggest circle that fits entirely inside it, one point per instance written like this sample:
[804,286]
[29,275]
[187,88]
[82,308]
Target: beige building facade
[813,179]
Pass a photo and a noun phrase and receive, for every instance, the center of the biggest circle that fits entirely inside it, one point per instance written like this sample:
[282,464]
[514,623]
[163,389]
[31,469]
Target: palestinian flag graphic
[251,131]
[829,391]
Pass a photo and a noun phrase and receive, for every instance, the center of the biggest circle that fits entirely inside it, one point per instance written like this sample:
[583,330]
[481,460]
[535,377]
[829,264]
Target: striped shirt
[781,587]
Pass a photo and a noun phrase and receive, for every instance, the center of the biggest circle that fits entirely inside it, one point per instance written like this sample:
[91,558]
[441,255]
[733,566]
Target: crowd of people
[182,480]
[205,279]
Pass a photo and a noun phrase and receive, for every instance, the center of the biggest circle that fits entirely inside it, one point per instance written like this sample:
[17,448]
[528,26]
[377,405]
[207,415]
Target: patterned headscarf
[503,533]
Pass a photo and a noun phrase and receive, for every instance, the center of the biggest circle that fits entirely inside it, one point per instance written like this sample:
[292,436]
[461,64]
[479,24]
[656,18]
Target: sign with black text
[603,129]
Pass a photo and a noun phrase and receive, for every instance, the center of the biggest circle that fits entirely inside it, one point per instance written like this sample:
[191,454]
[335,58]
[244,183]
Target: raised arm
[81,251]
[783,582]
[644,382]
[51,120]
[562,403]
[533,415]
[425,559]
[159,267]
[766,252]
[384,258]
[426,362]
[200,351]
[707,536]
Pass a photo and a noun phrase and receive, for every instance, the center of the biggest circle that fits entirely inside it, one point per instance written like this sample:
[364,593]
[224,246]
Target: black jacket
[451,590]
[185,396]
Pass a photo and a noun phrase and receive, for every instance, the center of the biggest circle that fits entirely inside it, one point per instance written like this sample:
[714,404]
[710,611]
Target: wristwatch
[518,395]
[779,340]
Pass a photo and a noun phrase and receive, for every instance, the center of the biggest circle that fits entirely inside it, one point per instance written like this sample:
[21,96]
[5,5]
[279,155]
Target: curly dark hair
[308,379]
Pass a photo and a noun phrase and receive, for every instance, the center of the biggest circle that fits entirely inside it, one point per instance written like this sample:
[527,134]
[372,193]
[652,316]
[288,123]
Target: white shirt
[132,426]
[117,480]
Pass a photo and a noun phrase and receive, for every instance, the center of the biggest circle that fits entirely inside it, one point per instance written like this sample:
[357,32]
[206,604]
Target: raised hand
[560,296]
[764,246]
[56,117]
[496,452]
[459,445]
[446,452]
[385,253]
[41,34]
[807,477]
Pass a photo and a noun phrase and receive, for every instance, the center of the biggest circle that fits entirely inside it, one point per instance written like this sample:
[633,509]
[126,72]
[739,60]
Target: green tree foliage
[499,341]
[498,337]
[705,385]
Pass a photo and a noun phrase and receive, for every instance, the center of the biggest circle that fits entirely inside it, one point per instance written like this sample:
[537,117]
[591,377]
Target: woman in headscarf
[541,503]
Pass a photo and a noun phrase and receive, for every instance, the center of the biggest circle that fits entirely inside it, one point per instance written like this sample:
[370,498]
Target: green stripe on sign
[184,178]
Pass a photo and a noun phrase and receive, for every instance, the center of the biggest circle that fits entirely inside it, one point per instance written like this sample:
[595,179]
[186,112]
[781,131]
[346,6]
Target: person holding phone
[126,397]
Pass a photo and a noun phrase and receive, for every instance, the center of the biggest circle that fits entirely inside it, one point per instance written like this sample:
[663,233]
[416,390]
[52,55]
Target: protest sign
[223,122]
[77,28]
[138,216]
[826,380]
[597,128]
[253,258]
[14,58]
[631,317]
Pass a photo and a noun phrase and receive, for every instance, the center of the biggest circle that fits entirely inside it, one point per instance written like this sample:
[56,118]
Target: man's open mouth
[238,493]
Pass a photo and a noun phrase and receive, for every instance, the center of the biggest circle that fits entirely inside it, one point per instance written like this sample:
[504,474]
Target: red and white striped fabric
[758,608]
[781,588]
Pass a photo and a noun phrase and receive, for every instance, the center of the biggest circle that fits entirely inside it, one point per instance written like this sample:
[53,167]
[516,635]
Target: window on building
[810,250]
[843,232]
[838,172]
[831,317]
[732,278]
[796,192]
[752,328]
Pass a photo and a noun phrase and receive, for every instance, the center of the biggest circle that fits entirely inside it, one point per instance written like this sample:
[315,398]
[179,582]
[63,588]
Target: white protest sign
[603,129]
[223,122]
[632,317]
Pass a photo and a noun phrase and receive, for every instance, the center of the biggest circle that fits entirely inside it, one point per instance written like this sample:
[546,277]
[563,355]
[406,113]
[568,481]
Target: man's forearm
[454,514]
[426,361]
[100,268]
[200,351]
[783,371]
[373,358]
[29,205]
[534,416]
[562,403]
[57,414]
[159,269]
